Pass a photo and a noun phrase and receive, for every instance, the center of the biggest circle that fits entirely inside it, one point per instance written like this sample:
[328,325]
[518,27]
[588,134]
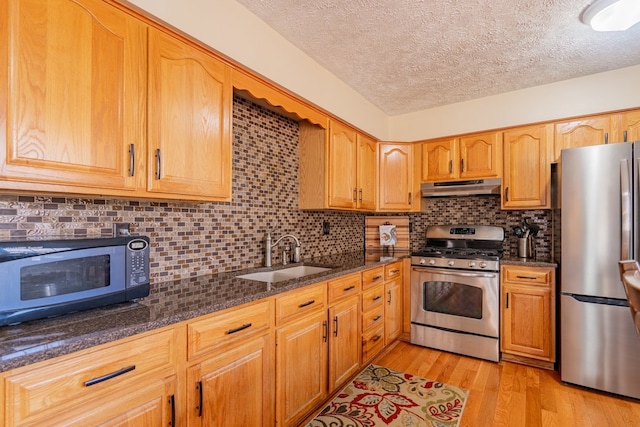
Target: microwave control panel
[137,262]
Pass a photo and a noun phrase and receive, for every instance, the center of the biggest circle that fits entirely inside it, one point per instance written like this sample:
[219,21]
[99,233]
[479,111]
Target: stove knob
[423,261]
[451,263]
[472,264]
[432,262]
[483,265]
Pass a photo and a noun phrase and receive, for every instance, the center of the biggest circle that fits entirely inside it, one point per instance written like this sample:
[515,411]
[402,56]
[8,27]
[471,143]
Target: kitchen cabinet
[393,302]
[112,107]
[190,102]
[345,349]
[75,113]
[467,157]
[372,312]
[527,318]
[352,166]
[527,169]
[398,191]
[302,344]
[129,382]
[228,352]
[630,125]
[585,131]
[337,168]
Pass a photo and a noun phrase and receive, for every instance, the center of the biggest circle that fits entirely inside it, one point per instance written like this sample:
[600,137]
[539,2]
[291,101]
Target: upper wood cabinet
[74,86]
[467,157]
[190,101]
[99,103]
[586,131]
[630,125]
[527,173]
[337,168]
[399,191]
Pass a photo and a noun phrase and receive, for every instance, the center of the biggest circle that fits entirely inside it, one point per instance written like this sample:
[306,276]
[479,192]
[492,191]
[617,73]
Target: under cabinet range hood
[476,187]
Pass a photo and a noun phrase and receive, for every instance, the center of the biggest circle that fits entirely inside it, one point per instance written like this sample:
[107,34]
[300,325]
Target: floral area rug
[383,397]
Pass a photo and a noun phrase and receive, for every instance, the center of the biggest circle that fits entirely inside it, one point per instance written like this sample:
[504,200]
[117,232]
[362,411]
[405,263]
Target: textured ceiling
[409,55]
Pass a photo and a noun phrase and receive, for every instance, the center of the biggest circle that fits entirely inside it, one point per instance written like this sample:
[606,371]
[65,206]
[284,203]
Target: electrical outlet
[121,229]
[325,227]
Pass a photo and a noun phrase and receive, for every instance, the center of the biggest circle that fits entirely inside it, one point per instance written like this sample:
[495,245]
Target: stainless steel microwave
[43,278]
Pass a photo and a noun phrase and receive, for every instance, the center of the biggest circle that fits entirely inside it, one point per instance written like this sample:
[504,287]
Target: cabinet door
[583,132]
[301,367]
[190,101]
[367,178]
[396,177]
[630,124]
[345,346]
[233,388]
[526,321]
[392,310]
[73,77]
[526,175]
[342,166]
[480,155]
[439,160]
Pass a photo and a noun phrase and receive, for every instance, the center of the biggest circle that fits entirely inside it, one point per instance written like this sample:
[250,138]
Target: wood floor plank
[506,394]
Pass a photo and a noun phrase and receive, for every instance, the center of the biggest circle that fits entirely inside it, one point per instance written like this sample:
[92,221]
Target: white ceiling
[409,55]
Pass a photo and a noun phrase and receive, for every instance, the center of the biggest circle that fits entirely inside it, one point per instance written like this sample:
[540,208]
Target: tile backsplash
[191,239]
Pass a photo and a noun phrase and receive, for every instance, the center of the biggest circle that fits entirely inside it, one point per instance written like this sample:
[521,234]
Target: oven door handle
[452,273]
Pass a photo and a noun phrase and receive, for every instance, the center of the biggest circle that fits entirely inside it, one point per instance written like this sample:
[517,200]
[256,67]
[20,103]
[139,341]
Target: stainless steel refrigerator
[599,346]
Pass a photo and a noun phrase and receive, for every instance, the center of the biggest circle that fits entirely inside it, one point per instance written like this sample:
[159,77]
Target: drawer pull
[199,407]
[527,277]
[109,376]
[377,298]
[305,304]
[375,279]
[349,288]
[376,338]
[395,271]
[378,317]
[172,402]
[238,329]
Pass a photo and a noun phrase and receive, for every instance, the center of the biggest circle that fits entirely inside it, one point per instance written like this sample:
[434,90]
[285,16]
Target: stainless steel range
[455,289]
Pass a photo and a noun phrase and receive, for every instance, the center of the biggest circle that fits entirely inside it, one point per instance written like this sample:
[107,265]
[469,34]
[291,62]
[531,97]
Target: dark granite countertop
[529,262]
[168,303]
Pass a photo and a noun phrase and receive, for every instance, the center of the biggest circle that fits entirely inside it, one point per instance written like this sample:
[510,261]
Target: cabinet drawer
[373,317]
[372,277]
[344,286]
[372,343]
[531,276]
[392,270]
[297,303]
[71,381]
[228,327]
[374,297]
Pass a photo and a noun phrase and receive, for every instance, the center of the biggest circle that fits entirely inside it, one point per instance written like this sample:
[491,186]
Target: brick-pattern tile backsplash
[190,239]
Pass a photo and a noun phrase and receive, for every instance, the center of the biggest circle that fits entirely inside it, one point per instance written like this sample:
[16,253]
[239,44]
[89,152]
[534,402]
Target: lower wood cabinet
[130,382]
[233,388]
[528,315]
[345,349]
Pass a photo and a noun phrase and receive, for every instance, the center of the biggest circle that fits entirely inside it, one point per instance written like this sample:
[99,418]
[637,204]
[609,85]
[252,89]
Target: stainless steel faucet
[270,246]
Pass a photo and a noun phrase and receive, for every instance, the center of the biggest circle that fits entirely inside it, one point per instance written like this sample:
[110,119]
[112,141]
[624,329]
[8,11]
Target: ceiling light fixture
[612,15]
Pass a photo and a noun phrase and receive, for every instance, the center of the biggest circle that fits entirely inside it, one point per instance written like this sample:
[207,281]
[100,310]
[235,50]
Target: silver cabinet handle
[158,164]
[132,159]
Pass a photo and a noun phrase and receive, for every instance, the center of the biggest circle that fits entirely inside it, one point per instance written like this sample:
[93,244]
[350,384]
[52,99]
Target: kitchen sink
[284,274]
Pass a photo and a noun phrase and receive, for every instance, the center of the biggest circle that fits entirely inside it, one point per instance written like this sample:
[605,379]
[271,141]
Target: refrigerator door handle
[626,211]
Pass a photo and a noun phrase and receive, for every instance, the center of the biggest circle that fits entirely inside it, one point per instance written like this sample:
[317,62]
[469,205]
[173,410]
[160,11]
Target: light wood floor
[509,394]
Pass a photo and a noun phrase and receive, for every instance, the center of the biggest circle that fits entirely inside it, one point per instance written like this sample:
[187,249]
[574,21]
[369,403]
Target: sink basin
[284,274]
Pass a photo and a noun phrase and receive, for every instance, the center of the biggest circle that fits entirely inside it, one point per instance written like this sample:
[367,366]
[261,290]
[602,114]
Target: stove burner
[460,253]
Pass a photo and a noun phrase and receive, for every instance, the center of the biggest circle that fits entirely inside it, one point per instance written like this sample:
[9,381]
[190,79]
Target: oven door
[459,300]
